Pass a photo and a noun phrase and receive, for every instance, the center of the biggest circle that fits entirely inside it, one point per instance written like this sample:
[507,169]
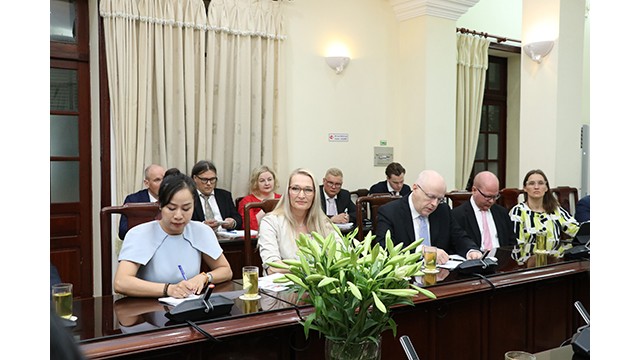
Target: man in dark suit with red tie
[153,175]
[425,214]
[485,222]
[214,206]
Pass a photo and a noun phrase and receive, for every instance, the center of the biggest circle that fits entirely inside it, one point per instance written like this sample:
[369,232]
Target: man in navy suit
[153,175]
[485,222]
[583,209]
[394,184]
[215,206]
[424,214]
[336,201]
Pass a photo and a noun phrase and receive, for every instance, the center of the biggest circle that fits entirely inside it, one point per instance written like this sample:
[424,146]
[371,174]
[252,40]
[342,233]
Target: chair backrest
[369,205]
[458,197]
[250,255]
[355,194]
[510,197]
[567,197]
[136,213]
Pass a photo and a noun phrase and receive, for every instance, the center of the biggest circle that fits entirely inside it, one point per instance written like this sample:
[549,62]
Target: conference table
[519,307]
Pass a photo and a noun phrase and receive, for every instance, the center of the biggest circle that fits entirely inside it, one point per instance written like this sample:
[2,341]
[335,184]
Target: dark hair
[394,169]
[202,166]
[549,202]
[172,184]
[172,171]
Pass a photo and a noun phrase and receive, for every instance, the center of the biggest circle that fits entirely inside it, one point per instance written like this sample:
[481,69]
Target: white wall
[495,17]
[359,101]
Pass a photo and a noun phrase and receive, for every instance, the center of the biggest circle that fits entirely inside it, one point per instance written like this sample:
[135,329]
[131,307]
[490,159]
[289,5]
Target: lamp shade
[337,63]
[537,50]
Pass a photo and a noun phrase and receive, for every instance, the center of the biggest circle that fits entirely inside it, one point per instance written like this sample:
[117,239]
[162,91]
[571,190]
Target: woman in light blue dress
[163,257]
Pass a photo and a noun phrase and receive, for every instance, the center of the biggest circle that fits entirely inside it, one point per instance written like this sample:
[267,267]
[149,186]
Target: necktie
[423,232]
[208,212]
[486,234]
[331,207]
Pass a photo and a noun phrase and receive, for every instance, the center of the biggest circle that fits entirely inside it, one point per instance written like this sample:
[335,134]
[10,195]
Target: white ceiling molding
[448,9]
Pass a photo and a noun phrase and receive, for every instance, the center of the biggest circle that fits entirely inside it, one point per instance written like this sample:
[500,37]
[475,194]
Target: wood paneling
[471,319]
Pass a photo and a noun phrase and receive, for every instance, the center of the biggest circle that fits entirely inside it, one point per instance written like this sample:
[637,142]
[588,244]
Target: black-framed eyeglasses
[432,197]
[295,190]
[212,180]
[488,197]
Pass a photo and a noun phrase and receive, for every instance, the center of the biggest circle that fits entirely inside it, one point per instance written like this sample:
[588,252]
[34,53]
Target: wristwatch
[210,278]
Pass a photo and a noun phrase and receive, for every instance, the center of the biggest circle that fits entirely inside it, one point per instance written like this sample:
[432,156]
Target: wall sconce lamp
[537,50]
[337,63]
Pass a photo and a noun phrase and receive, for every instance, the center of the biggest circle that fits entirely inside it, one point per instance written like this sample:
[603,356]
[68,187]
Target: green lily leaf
[326,281]
[354,290]
[379,303]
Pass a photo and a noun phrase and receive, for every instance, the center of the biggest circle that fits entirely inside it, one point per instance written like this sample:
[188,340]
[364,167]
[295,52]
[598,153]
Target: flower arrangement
[352,284]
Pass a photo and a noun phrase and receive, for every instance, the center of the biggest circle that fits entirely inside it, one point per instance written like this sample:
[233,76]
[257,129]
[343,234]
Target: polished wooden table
[474,317]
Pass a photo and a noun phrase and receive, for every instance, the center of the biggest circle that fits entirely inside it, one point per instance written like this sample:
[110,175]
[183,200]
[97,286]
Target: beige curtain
[188,83]
[473,61]
[240,130]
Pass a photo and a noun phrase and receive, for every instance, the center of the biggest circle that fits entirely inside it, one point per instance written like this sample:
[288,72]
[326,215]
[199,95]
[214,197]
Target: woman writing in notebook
[263,185]
[163,257]
[539,213]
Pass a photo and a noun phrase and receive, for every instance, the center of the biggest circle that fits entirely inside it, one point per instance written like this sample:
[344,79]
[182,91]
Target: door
[70,146]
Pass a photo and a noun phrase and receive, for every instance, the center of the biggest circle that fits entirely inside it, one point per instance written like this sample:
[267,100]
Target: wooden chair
[567,197]
[369,205]
[458,197]
[510,197]
[250,254]
[237,201]
[136,213]
[355,194]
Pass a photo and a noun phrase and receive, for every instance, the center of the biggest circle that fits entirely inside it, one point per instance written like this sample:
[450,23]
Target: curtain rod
[499,39]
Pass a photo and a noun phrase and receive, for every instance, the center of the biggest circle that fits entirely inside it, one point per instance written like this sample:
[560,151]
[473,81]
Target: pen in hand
[184,276]
[182,272]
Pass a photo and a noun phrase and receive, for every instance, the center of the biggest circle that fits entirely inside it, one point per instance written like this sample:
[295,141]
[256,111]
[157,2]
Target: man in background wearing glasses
[335,201]
[215,206]
[424,214]
[485,222]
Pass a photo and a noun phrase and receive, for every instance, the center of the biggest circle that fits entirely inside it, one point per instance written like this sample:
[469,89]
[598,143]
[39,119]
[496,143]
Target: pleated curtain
[189,83]
[472,64]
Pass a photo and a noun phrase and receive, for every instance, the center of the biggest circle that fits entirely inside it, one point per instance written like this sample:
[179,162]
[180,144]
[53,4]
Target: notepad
[173,301]
[266,283]
[346,226]
[454,261]
[234,234]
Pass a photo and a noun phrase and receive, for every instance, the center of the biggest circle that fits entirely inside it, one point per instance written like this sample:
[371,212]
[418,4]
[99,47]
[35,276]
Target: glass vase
[341,350]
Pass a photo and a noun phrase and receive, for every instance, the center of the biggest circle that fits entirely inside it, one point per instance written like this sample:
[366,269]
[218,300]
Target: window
[492,140]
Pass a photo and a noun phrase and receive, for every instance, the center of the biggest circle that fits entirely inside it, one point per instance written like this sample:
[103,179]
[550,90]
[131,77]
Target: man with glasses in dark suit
[335,201]
[485,222]
[215,206]
[424,214]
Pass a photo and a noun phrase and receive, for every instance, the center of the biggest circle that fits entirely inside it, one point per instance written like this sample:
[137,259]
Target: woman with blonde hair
[297,212]
[262,185]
